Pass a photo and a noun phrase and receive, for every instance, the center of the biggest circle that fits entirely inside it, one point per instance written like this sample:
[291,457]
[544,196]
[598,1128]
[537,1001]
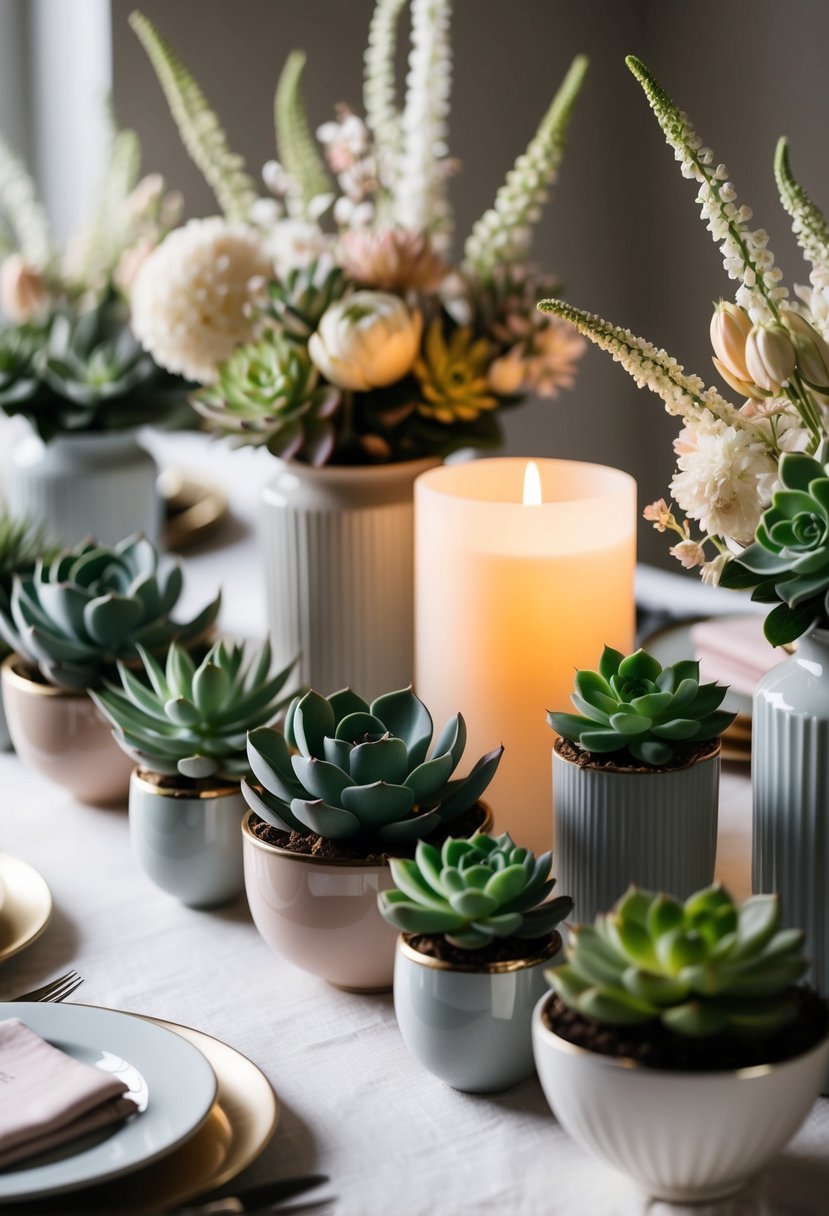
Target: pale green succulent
[193,719]
[633,704]
[700,967]
[298,298]
[80,612]
[473,891]
[345,768]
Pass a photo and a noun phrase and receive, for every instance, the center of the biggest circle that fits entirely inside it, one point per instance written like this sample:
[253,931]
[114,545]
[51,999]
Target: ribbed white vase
[790,782]
[338,548]
[101,485]
[658,830]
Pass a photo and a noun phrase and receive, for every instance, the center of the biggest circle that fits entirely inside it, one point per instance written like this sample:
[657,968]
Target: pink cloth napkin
[47,1098]
[733,650]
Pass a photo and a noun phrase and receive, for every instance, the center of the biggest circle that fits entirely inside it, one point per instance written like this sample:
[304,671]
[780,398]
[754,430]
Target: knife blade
[254,1198]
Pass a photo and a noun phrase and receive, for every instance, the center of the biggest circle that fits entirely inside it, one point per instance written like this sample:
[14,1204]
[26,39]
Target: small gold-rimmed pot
[186,838]
[681,1136]
[615,826]
[470,1023]
[321,914]
[61,734]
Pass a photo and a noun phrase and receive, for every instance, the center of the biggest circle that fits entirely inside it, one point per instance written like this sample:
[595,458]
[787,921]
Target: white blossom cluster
[380,89]
[723,479]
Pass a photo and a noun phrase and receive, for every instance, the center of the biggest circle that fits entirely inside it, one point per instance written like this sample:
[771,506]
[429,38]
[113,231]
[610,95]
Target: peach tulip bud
[770,357]
[744,387]
[23,291]
[730,327]
[812,349]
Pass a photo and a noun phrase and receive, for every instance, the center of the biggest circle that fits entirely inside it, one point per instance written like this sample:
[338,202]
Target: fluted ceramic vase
[101,485]
[338,547]
[790,782]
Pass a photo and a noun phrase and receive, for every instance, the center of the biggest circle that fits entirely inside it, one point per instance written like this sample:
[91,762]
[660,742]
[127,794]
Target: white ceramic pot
[470,1026]
[75,486]
[188,842]
[338,549]
[658,830]
[62,735]
[680,1136]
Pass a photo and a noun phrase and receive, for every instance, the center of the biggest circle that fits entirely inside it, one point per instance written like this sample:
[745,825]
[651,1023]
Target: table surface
[355,1104]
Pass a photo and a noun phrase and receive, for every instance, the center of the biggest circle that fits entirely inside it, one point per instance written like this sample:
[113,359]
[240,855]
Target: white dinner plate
[169,1078]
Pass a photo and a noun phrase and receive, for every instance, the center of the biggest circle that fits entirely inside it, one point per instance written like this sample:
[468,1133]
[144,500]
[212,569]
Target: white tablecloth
[355,1104]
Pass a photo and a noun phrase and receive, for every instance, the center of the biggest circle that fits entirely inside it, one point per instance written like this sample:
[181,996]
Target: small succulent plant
[788,563]
[701,967]
[298,299]
[473,891]
[633,704]
[21,543]
[270,389]
[81,611]
[193,719]
[363,769]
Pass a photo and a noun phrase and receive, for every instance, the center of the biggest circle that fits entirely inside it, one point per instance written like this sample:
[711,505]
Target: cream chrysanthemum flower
[191,299]
[720,481]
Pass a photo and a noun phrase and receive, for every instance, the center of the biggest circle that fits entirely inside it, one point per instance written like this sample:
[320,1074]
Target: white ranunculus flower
[366,340]
[720,481]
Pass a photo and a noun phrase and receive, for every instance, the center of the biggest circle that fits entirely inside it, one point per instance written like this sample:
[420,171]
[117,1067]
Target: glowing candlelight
[532,486]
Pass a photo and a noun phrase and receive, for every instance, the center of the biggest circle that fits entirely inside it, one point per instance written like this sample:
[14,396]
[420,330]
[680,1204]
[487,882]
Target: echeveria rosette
[347,768]
[788,563]
[192,719]
[702,967]
[21,544]
[81,611]
[632,704]
[474,891]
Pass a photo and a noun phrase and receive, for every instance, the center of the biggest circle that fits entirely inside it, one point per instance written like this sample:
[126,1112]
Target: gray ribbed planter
[790,781]
[615,827]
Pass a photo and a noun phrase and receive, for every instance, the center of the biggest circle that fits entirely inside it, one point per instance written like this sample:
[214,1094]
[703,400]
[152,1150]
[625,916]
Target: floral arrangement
[68,359]
[752,478]
[326,319]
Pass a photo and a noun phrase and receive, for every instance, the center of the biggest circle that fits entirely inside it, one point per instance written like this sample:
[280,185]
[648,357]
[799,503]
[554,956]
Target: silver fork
[55,991]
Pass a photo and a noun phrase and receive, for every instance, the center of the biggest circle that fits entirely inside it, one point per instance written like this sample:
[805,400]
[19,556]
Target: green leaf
[570,726]
[797,470]
[784,624]
[211,687]
[649,751]
[618,1008]
[197,766]
[472,904]
[346,702]
[378,804]
[180,671]
[679,729]
[272,811]
[466,792]
[384,760]
[313,720]
[332,823]
[321,779]
[182,712]
[609,662]
[109,619]
[652,704]
[408,879]
[354,727]
[451,740]
[507,884]
[270,762]
[429,778]
[413,827]
[658,990]
[664,914]
[594,689]
[630,725]
[757,922]
[694,1019]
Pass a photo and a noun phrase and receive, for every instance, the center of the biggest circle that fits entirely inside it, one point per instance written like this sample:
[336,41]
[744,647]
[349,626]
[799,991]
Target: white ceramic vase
[658,830]
[790,784]
[470,1026]
[188,842]
[75,486]
[680,1136]
[338,548]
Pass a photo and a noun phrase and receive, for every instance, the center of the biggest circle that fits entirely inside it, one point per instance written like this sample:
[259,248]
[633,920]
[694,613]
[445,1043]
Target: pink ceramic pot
[321,913]
[61,735]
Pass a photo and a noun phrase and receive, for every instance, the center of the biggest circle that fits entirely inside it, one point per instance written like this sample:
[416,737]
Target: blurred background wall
[621,229]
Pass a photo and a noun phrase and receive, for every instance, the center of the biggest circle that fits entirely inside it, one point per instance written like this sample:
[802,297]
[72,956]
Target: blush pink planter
[61,735]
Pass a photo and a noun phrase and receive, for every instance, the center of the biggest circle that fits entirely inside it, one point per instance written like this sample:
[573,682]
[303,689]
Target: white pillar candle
[520,580]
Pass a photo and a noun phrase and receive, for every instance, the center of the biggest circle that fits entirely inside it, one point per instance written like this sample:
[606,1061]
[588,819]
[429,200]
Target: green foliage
[700,968]
[788,563]
[633,704]
[200,130]
[193,720]
[295,144]
[473,891]
[81,611]
[360,769]
[21,544]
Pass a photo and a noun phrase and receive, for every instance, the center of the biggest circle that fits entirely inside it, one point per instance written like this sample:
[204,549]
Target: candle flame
[532,485]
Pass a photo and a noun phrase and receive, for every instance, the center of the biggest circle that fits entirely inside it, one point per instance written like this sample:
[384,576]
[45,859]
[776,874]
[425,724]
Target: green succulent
[633,704]
[270,389]
[18,379]
[81,611]
[700,968]
[298,299]
[191,719]
[472,891]
[788,563]
[21,543]
[361,769]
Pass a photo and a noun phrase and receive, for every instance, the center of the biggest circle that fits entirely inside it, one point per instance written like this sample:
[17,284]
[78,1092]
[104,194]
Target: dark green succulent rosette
[346,768]
[706,966]
[633,706]
[788,563]
[21,544]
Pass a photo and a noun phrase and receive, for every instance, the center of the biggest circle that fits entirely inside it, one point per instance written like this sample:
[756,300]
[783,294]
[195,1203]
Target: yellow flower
[453,375]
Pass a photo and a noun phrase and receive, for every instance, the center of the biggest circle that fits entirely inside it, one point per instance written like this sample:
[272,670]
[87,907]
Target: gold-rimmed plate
[26,906]
[192,507]
[239,1127]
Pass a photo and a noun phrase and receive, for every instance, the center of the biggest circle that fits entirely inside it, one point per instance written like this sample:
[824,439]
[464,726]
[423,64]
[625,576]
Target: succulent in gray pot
[68,624]
[678,1044]
[349,784]
[185,726]
[478,928]
[636,779]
